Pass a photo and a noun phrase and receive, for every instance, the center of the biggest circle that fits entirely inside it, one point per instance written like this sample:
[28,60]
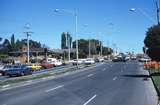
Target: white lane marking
[90,75]
[90,100]
[114,78]
[44,78]
[29,81]
[104,69]
[5,86]
[54,88]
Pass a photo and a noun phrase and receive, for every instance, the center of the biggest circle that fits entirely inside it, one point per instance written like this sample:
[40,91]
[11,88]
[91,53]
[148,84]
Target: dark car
[18,70]
[119,59]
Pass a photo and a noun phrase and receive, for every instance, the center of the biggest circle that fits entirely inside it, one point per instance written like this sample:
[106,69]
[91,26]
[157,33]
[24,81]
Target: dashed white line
[90,100]
[114,78]
[90,75]
[5,86]
[29,81]
[44,78]
[54,88]
[104,69]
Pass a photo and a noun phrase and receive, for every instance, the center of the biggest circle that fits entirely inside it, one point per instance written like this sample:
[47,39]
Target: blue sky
[107,20]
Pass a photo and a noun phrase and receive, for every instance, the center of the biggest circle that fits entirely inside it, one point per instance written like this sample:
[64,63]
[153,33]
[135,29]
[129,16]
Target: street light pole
[157,8]
[69,50]
[27,47]
[89,48]
[76,22]
[101,48]
[76,27]
[149,17]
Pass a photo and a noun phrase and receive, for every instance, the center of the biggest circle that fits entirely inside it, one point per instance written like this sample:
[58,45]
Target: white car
[144,59]
[57,63]
[75,62]
[54,61]
[89,61]
[101,59]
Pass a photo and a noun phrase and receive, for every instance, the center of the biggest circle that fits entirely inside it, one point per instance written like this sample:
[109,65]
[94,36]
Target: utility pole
[69,50]
[101,48]
[89,48]
[28,33]
[158,10]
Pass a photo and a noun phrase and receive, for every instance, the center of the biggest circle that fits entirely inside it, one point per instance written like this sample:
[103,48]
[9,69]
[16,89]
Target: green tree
[66,40]
[1,39]
[152,42]
[18,44]
[83,48]
[69,40]
[6,47]
[63,40]
[13,42]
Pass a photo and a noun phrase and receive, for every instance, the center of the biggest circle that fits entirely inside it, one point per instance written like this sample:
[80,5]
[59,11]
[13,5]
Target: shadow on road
[144,77]
[137,75]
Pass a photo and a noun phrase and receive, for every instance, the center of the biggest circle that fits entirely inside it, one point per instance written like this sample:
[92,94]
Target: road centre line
[104,69]
[114,78]
[90,75]
[60,86]
[90,100]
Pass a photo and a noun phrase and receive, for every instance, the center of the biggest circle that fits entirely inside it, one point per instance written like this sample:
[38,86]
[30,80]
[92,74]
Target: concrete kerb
[157,90]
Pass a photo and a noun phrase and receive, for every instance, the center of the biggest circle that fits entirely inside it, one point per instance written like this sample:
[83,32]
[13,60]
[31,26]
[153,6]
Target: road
[107,84]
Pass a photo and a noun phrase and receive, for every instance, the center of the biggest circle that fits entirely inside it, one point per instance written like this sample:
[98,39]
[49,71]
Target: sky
[107,20]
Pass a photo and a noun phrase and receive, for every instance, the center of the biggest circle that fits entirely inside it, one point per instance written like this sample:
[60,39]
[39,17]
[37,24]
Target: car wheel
[22,74]
[10,75]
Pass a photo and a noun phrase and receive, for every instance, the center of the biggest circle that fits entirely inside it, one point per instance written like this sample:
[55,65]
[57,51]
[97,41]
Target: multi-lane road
[106,84]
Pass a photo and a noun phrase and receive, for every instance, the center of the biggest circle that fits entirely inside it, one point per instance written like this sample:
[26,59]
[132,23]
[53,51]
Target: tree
[69,40]
[66,40]
[1,39]
[63,40]
[13,42]
[6,47]
[83,47]
[152,42]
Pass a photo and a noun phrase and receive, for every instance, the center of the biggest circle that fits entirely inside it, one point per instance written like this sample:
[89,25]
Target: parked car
[18,70]
[89,61]
[35,67]
[144,59]
[54,61]
[57,63]
[101,59]
[75,62]
[46,65]
[3,69]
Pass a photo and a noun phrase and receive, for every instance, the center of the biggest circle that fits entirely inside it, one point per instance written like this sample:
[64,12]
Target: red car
[46,65]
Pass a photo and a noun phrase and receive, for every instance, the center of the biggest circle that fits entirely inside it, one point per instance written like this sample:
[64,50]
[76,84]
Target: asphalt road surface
[107,84]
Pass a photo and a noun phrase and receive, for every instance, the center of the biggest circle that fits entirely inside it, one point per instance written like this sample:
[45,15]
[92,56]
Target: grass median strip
[33,77]
[37,76]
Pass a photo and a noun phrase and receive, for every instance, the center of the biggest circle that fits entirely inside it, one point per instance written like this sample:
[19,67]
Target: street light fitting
[56,10]
[132,9]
